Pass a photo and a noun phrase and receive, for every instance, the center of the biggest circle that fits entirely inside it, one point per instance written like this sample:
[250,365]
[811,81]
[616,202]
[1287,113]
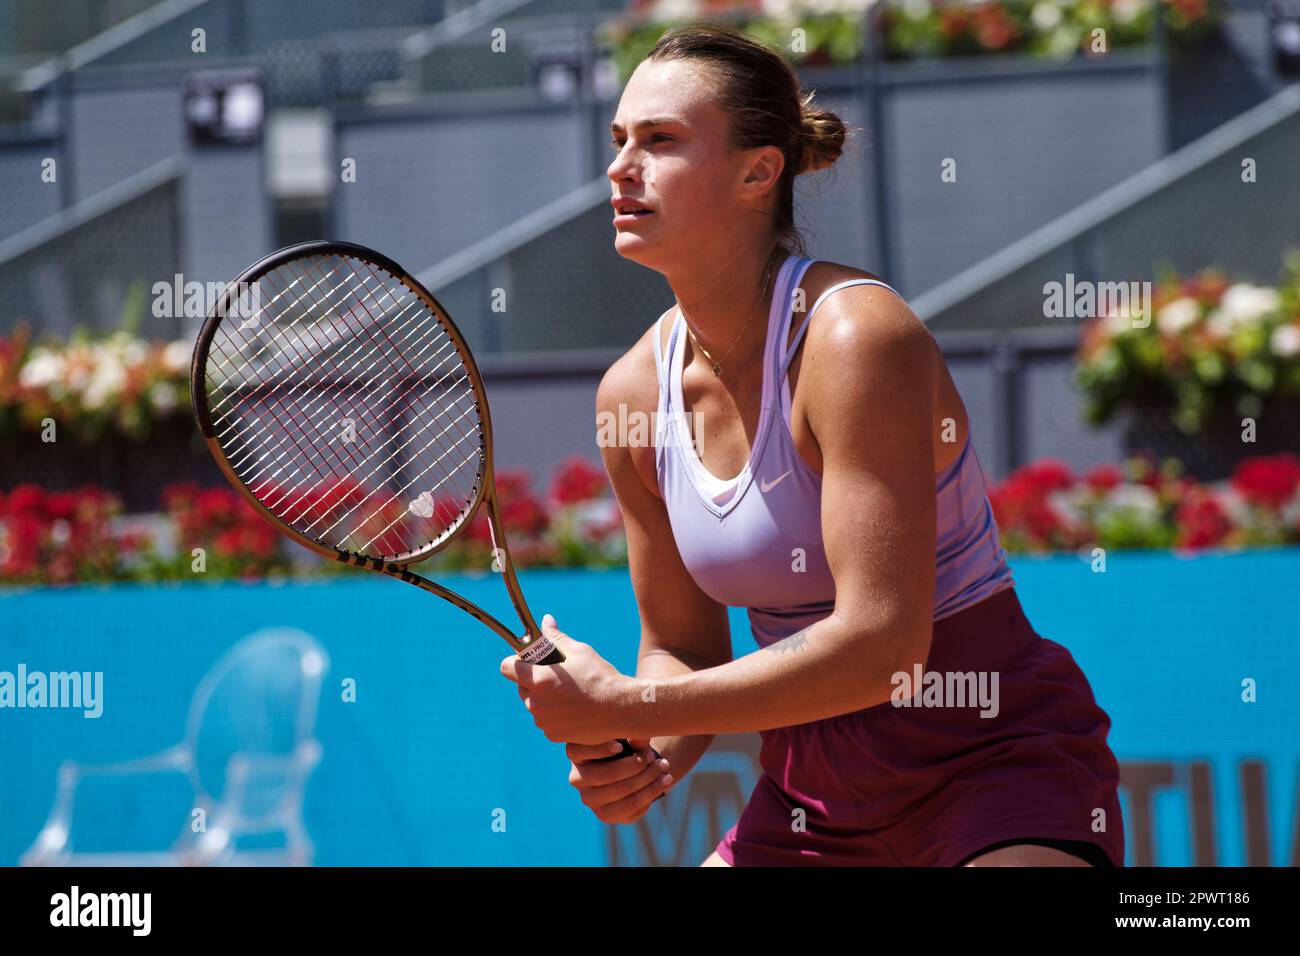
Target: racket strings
[338,342]
[299,409]
[439,470]
[406,446]
[275,450]
[441,354]
[259,355]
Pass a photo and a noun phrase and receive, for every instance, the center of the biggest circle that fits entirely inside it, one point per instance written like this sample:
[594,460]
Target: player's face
[683,168]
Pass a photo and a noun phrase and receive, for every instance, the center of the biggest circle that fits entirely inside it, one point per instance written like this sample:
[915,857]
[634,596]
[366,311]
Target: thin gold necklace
[717,366]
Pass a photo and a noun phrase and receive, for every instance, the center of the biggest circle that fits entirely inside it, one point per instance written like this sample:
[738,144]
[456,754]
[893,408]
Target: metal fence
[1230,199]
[94,265]
[551,281]
[503,44]
[27,26]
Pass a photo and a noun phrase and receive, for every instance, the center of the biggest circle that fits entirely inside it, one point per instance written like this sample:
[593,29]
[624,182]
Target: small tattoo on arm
[788,645]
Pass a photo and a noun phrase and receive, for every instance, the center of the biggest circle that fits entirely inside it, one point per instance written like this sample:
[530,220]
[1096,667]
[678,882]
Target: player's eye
[616,144]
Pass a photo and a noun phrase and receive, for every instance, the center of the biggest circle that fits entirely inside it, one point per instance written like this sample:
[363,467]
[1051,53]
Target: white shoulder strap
[794,346]
[659,355]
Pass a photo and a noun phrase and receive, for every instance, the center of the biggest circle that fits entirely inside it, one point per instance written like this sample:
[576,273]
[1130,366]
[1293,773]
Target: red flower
[576,481]
[23,536]
[1269,480]
[27,499]
[479,530]
[215,505]
[63,505]
[259,539]
[1046,476]
[227,543]
[512,484]
[1202,522]
[1103,478]
[524,516]
[994,27]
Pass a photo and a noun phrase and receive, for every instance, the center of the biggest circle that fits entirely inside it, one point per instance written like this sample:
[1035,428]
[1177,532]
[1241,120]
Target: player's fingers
[518,670]
[563,643]
[602,774]
[657,785]
[642,746]
[616,790]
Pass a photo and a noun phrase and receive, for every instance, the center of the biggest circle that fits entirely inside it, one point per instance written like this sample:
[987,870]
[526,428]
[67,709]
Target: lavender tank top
[743,540]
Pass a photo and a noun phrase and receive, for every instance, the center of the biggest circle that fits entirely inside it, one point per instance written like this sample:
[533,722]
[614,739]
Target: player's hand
[622,790]
[585,700]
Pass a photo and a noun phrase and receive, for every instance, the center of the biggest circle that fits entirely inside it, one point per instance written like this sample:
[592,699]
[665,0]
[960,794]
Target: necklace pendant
[717,370]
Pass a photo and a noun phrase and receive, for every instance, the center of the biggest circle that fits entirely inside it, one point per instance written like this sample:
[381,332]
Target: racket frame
[532,645]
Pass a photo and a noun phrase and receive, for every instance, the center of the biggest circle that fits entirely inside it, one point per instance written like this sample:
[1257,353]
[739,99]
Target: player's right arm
[682,628]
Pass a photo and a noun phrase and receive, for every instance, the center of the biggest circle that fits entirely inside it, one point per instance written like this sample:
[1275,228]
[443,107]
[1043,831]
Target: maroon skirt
[934,786]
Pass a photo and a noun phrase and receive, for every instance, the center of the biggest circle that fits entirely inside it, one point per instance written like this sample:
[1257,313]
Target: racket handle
[555,657]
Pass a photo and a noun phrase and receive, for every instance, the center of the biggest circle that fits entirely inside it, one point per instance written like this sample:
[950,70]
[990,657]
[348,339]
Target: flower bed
[918,29]
[92,387]
[81,536]
[1205,343]
[1044,507]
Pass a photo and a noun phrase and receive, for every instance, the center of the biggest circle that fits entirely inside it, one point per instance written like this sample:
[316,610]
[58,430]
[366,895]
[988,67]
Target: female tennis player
[812,463]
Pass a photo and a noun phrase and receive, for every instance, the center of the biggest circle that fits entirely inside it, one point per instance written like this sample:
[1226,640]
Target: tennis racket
[340,400]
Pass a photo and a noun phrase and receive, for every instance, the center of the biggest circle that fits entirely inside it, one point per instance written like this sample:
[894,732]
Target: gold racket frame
[532,646]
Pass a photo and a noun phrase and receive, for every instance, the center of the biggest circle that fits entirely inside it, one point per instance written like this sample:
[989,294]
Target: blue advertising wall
[437,744]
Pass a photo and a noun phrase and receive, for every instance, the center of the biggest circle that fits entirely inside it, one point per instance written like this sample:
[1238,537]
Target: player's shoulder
[858,316]
[632,380]
[864,328]
[823,274]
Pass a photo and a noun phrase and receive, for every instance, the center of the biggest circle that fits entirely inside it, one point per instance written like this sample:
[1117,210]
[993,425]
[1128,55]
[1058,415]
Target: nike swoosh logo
[766,486]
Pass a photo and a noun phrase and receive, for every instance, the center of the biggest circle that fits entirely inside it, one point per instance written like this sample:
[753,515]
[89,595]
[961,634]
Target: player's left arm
[869,373]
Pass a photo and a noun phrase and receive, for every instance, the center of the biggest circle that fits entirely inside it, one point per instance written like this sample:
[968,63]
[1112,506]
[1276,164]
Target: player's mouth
[629,210]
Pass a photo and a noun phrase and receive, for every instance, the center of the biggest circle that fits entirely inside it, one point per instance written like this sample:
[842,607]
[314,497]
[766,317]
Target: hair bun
[823,137]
